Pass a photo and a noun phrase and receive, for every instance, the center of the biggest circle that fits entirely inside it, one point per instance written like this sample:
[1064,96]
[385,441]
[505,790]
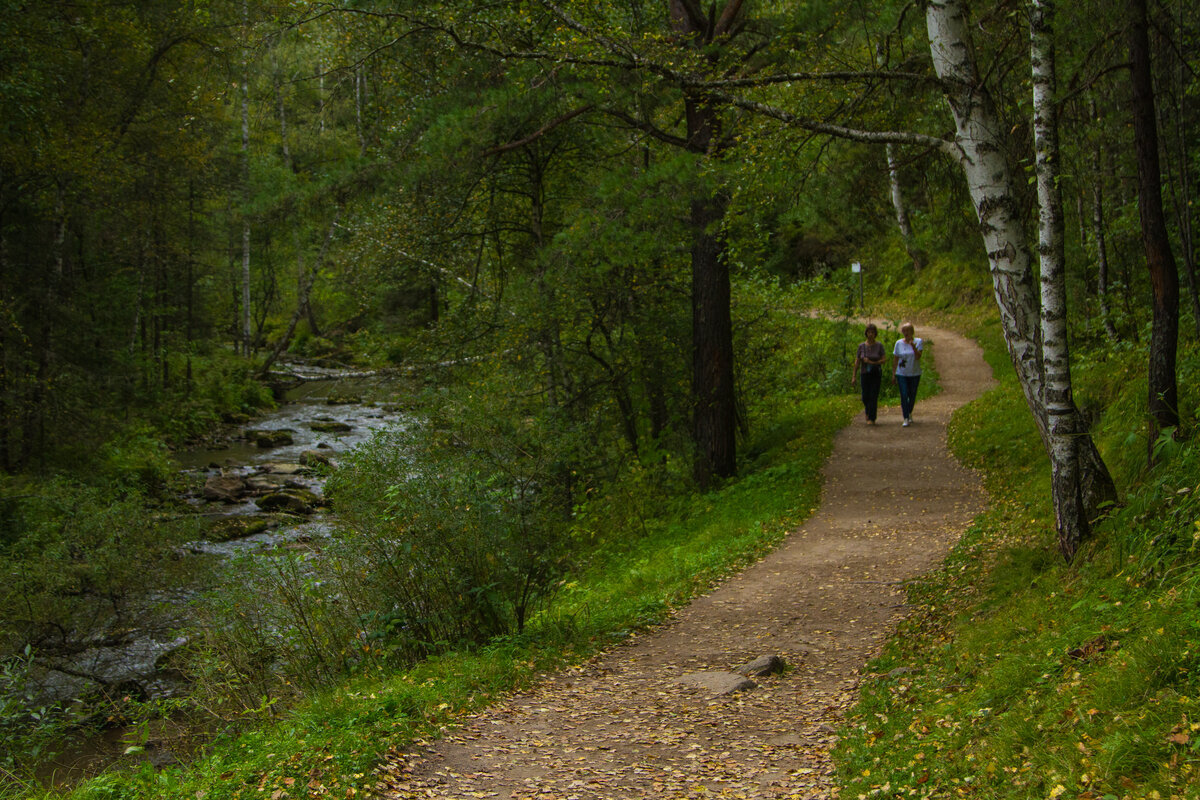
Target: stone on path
[763,665]
[718,683]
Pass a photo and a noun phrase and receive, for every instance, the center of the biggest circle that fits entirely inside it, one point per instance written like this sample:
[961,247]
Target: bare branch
[840,131]
[646,127]
[539,133]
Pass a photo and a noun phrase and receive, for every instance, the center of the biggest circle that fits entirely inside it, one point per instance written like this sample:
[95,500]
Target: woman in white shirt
[906,368]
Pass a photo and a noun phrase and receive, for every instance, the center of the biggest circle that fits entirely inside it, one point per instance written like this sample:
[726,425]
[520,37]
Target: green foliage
[464,532]
[637,550]
[75,554]
[137,462]
[31,730]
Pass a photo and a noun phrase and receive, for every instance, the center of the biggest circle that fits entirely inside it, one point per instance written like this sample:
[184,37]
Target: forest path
[624,725]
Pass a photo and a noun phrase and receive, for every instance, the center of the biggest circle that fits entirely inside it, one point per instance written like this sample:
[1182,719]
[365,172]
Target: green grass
[1022,677]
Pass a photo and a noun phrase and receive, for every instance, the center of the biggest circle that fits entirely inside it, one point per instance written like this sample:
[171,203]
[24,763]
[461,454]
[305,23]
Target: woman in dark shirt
[869,361]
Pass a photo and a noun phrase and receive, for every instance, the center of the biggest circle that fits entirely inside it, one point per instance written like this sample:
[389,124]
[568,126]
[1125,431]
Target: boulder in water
[228,528]
[225,488]
[292,501]
[330,427]
[313,458]
[270,438]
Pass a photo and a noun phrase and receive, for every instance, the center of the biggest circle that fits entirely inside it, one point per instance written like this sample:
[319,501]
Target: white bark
[1072,523]
[980,139]
[990,182]
[901,210]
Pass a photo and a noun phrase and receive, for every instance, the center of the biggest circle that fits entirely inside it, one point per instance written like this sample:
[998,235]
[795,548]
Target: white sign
[856,267]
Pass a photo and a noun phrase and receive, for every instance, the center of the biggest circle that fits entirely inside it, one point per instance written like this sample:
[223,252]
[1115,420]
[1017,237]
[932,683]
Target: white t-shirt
[906,362]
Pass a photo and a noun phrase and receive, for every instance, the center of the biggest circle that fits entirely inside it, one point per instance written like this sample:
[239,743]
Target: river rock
[225,488]
[313,458]
[276,468]
[293,501]
[228,528]
[330,427]
[270,438]
[342,400]
[265,483]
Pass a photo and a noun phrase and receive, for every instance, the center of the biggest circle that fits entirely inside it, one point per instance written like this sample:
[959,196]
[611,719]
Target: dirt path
[628,725]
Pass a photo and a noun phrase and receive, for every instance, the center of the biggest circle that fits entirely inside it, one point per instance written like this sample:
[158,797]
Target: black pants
[871,378]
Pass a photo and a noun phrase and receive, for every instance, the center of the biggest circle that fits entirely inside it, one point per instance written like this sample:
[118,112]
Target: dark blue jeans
[908,392]
[871,378]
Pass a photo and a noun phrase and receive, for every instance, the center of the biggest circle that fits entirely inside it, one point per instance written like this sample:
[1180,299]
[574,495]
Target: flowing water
[123,652]
[325,416]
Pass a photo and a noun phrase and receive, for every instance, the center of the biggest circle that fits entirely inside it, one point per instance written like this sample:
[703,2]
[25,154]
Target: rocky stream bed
[256,490]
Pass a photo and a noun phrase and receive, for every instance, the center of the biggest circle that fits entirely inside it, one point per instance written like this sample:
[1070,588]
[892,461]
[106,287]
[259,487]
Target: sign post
[856,268]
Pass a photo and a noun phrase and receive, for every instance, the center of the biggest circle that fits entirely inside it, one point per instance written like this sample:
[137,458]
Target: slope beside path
[647,719]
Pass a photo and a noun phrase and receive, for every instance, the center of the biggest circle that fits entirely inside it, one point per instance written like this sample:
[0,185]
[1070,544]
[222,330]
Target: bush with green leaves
[463,533]
[30,730]
[74,555]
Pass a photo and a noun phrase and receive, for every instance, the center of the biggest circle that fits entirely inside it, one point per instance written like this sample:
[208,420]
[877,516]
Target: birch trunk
[979,137]
[901,210]
[1071,521]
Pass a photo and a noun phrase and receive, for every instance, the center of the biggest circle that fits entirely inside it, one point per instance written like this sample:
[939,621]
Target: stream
[262,490]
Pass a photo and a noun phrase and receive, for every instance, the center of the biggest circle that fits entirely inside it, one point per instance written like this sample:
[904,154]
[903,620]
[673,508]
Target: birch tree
[899,207]
[1071,522]
[980,139]
[245,102]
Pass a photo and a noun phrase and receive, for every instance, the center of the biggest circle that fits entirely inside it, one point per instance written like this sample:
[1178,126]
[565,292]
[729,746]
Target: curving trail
[625,726]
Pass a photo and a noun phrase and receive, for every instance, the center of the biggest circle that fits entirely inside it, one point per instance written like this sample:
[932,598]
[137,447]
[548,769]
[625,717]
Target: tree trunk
[901,210]
[1180,184]
[1101,239]
[1071,521]
[245,183]
[714,420]
[992,188]
[715,415]
[1164,280]
[305,288]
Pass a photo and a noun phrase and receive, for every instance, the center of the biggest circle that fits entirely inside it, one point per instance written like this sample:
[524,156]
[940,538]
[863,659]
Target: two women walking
[906,370]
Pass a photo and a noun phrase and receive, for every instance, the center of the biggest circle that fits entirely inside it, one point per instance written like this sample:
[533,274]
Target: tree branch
[840,131]
[539,133]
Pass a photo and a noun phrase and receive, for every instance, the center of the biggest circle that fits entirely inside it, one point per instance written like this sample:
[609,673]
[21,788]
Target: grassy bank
[1022,677]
